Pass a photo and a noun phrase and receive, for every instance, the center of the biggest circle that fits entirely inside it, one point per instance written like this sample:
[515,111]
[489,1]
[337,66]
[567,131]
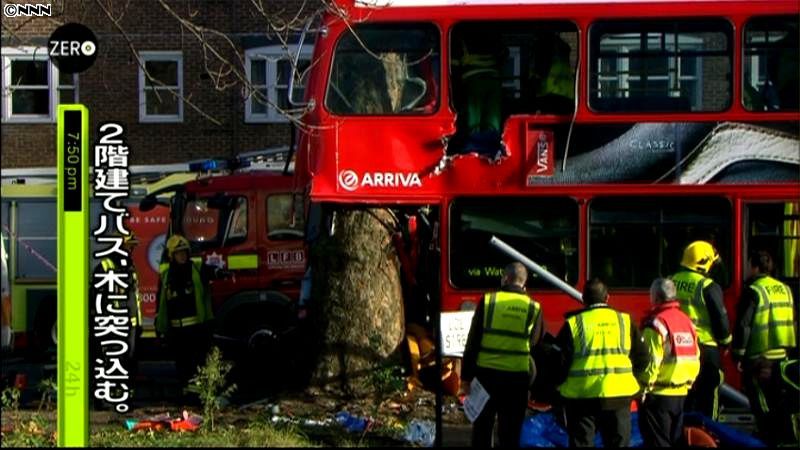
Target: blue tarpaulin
[542,430]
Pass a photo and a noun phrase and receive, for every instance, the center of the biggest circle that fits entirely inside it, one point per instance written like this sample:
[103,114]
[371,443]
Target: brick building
[217,117]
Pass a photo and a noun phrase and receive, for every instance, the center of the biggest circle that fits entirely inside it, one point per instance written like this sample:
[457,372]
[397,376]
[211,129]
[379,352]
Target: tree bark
[357,307]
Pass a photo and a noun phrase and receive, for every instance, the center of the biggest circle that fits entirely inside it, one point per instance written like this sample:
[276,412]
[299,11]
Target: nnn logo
[350,181]
[27,10]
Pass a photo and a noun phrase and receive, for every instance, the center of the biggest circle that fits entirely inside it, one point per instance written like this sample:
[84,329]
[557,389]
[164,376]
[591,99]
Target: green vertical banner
[73,275]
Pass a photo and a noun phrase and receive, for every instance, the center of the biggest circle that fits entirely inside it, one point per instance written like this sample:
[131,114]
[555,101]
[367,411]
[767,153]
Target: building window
[32,86]
[161,94]
[269,70]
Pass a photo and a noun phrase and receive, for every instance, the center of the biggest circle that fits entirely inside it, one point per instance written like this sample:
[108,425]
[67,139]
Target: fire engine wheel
[262,339]
[45,330]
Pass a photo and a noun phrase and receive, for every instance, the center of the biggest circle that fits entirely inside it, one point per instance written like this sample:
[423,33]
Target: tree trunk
[357,304]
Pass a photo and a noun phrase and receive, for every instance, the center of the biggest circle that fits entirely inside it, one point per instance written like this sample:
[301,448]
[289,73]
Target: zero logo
[348,180]
[72,48]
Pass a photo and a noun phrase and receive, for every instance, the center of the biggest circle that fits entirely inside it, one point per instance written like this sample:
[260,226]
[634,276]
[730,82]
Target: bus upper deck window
[660,65]
[498,69]
[381,69]
[771,64]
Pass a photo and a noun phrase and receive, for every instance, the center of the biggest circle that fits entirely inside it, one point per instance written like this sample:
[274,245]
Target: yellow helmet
[699,256]
[176,243]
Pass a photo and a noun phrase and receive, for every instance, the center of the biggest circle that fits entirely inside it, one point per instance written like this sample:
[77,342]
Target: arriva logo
[350,181]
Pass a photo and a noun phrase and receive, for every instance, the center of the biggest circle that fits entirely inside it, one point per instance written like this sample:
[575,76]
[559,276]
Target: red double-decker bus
[598,138]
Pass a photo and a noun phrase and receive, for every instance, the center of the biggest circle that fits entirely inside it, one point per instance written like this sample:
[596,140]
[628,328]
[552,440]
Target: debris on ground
[420,432]
[186,422]
[353,423]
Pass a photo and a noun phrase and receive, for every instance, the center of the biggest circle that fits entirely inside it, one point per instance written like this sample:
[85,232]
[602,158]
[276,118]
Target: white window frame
[173,56]
[36,54]
[271,54]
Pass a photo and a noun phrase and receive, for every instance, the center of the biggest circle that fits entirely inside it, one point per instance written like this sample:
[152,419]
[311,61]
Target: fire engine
[28,230]
[244,217]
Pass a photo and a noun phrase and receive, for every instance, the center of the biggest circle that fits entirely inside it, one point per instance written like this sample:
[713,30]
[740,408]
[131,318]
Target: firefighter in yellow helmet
[701,299]
[184,312]
[603,355]
[765,336]
[116,263]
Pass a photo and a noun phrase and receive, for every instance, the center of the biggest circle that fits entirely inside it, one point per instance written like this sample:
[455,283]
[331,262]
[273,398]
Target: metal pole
[541,271]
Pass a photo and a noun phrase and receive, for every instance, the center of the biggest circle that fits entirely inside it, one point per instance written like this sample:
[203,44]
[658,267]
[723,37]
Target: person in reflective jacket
[701,299]
[764,337]
[603,355]
[506,327]
[184,311]
[674,365]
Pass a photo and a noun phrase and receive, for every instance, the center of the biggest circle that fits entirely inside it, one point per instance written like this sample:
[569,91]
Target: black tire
[264,361]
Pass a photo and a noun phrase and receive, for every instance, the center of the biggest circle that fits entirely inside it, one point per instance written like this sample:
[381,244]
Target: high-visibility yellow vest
[477,63]
[676,351]
[202,302]
[507,326]
[601,365]
[689,292]
[136,319]
[560,80]
[773,323]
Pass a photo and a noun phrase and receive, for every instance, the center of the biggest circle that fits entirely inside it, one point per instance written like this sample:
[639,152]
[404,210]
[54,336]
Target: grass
[255,435]
[33,429]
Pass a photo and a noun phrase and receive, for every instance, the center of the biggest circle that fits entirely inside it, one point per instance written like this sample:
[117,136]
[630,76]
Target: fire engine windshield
[381,69]
[543,229]
[215,220]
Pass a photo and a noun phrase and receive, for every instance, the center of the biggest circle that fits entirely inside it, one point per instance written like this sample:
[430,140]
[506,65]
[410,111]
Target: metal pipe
[541,271]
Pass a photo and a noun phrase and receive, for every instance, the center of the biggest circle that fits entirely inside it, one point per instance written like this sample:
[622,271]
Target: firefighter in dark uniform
[603,355]
[133,304]
[184,312]
[701,299]
[506,327]
[764,337]
[674,364]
